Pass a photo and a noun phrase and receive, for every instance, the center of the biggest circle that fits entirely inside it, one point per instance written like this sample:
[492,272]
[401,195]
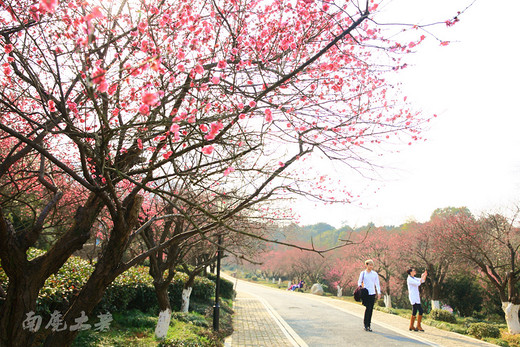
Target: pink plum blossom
[149,98]
[229,170]
[207,150]
[144,109]
[268,115]
[48,5]
[199,69]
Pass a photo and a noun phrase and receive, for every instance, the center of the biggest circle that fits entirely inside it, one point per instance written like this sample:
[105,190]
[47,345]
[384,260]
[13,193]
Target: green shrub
[512,340]
[145,299]
[463,293]
[203,289]
[136,319]
[125,290]
[193,318]
[197,307]
[133,289]
[381,303]
[59,288]
[116,298]
[226,287]
[443,315]
[182,334]
[482,330]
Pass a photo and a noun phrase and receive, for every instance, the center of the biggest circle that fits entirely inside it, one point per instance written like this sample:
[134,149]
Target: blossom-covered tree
[193,252]
[343,272]
[429,247]
[492,244]
[386,248]
[112,100]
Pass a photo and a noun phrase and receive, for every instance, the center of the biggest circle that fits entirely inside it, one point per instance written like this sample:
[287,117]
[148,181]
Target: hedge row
[443,315]
[131,290]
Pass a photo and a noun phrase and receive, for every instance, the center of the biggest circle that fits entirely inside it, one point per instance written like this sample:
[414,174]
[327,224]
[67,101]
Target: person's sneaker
[368,329]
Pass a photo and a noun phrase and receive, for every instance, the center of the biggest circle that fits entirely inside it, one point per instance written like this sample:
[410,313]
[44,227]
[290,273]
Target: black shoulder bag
[361,292]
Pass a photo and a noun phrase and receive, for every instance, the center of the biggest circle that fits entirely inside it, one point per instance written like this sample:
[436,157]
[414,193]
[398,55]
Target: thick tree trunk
[186,293]
[388,300]
[26,278]
[161,330]
[511,313]
[89,296]
[107,269]
[436,295]
[161,290]
[436,291]
[21,298]
[386,296]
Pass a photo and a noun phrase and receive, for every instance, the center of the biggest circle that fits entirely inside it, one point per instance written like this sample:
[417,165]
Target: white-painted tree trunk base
[163,323]
[340,292]
[186,293]
[436,305]
[511,312]
[388,301]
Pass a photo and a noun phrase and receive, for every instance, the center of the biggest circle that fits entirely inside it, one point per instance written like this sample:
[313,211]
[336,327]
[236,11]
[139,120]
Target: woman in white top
[369,279]
[415,298]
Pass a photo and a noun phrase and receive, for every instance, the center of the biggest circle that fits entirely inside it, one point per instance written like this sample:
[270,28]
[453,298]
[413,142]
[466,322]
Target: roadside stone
[317,289]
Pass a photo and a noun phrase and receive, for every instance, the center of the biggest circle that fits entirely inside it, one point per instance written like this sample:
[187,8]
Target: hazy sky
[472,155]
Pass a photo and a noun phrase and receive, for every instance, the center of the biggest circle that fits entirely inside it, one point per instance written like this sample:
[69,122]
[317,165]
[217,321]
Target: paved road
[319,324]
[266,316]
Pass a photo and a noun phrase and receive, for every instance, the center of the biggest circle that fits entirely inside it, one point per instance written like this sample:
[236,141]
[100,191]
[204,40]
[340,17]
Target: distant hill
[323,235]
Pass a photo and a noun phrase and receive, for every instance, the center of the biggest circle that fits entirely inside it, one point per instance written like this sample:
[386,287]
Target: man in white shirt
[369,279]
[415,298]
